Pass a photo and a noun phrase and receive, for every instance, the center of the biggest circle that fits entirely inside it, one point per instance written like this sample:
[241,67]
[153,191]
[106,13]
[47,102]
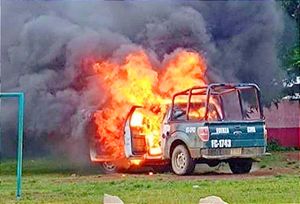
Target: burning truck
[200,124]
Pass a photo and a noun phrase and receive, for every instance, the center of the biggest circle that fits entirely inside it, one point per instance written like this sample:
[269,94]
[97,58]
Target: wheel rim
[109,166]
[180,161]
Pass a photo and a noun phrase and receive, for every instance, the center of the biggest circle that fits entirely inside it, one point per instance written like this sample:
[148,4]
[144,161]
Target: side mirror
[178,113]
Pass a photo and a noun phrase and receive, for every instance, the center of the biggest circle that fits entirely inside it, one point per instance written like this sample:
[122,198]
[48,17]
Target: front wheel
[108,167]
[181,161]
[240,166]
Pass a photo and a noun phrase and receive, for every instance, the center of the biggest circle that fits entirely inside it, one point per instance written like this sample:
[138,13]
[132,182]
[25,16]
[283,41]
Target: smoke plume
[44,44]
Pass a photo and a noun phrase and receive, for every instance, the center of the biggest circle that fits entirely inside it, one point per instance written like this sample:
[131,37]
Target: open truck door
[134,145]
[138,143]
[134,135]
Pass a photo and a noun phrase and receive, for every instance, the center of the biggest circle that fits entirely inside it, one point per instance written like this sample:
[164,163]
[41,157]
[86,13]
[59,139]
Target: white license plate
[236,151]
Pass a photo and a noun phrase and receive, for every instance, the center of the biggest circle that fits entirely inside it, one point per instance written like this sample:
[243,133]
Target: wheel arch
[174,139]
[176,143]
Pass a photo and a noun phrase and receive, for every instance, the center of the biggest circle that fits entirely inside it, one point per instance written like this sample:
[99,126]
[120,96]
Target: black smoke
[43,44]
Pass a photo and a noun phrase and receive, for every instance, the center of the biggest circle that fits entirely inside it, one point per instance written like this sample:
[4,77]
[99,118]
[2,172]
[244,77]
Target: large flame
[136,81]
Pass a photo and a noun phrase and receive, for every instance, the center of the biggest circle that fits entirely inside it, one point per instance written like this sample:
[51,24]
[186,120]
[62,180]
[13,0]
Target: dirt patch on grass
[292,156]
[201,173]
[278,163]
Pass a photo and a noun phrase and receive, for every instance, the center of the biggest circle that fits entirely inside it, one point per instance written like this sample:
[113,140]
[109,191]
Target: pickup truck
[221,122]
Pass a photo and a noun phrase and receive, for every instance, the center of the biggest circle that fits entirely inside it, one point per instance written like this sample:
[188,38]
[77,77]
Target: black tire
[240,166]
[108,167]
[181,161]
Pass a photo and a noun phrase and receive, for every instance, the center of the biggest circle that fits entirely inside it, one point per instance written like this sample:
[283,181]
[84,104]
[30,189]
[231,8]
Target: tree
[291,59]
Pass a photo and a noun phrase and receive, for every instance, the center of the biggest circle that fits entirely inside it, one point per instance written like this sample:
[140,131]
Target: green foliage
[293,62]
[292,7]
[290,56]
[274,146]
[274,160]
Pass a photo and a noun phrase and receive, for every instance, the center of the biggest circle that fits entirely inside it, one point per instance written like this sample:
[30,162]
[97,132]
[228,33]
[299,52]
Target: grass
[275,159]
[63,189]
[50,181]
[274,145]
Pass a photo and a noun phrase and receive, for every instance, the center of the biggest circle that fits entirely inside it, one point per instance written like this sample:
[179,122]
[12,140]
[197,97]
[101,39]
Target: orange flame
[137,119]
[136,81]
[135,162]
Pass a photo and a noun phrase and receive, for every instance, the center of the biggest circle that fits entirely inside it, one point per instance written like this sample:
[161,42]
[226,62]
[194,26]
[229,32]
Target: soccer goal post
[20,97]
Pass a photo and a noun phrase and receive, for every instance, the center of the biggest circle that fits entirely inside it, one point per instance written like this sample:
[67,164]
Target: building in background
[283,119]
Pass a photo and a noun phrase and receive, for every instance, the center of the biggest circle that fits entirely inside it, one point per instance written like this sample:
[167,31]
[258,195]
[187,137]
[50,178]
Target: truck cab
[207,124]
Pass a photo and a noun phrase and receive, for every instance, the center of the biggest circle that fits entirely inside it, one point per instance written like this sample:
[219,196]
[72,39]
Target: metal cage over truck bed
[217,89]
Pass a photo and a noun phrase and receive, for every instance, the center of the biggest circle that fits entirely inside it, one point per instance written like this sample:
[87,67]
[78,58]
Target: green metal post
[21,99]
[20,144]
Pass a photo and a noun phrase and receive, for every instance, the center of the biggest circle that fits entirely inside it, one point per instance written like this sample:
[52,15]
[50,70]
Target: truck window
[231,106]
[197,111]
[249,104]
[180,107]
[179,111]
[198,108]
[244,107]
[214,109]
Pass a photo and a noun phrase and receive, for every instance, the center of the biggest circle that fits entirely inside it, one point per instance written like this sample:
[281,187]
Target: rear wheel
[240,166]
[181,161]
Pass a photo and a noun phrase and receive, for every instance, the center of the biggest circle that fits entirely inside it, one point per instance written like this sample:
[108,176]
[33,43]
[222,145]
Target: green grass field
[50,181]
